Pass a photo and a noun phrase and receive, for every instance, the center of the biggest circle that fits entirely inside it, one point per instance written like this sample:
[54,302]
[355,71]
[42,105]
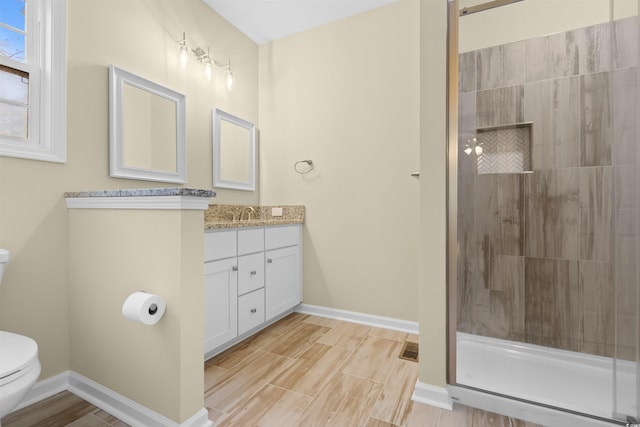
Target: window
[33,79]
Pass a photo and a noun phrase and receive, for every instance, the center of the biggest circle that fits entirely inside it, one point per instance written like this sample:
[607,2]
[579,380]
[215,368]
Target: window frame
[46,63]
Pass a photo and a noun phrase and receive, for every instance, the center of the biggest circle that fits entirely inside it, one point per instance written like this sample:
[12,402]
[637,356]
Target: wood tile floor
[301,371]
[60,410]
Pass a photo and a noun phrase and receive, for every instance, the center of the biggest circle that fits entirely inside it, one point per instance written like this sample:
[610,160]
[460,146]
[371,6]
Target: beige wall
[159,252]
[535,18]
[139,37]
[345,95]
[433,141]
[33,226]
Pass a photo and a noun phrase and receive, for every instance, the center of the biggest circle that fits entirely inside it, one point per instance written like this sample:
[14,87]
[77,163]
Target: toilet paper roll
[144,308]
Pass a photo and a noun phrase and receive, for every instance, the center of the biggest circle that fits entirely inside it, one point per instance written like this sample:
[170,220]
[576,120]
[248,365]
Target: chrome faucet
[249,209]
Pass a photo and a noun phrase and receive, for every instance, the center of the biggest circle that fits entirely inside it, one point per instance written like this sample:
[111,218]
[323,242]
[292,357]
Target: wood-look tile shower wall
[538,252]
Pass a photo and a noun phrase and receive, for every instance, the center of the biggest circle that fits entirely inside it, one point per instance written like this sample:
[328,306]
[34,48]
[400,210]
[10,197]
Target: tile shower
[547,208]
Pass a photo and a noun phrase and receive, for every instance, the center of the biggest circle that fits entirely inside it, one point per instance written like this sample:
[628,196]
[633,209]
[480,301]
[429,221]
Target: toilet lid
[16,353]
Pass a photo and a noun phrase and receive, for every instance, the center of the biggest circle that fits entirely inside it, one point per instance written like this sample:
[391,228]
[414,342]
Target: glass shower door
[548,203]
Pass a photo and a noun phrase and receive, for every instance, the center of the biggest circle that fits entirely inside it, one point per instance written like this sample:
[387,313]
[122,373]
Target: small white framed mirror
[147,133]
[234,152]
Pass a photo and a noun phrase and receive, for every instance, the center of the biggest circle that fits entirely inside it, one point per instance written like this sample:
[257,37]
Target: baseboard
[109,401]
[44,389]
[126,409]
[432,395]
[199,419]
[362,318]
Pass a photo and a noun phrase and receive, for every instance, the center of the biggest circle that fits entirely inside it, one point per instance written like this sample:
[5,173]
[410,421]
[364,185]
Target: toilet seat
[17,355]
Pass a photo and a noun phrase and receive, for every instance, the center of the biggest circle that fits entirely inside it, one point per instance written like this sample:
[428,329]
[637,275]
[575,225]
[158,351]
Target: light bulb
[468,150]
[229,80]
[184,51]
[207,70]
[478,150]
[184,55]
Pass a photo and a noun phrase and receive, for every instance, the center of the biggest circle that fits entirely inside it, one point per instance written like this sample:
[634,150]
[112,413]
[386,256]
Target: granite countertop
[226,216]
[216,216]
[143,192]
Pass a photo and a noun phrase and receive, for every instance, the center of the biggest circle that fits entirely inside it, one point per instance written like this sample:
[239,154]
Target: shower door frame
[452,188]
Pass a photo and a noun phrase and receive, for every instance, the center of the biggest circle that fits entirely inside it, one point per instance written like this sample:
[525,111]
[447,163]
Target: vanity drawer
[250,273]
[219,245]
[279,237]
[250,311]
[250,241]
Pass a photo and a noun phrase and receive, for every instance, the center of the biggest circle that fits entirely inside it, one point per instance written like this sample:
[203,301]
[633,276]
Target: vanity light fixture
[228,74]
[184,51]
[207,70]
[229,77]
[205,59]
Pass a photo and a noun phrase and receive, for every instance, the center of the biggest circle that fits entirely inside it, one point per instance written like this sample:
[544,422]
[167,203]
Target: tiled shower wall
[539,252]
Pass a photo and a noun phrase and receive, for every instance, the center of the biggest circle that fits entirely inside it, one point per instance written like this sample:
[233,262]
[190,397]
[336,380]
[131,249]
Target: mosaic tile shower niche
[504,149]
[537,203]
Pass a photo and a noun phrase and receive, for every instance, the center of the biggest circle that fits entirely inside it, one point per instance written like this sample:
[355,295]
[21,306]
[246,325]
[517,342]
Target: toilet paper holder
[144,307]
[153,309]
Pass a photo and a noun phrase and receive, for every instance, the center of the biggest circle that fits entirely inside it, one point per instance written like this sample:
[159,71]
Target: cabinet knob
[253,310]
[253,273]
[234,268]
[269,261]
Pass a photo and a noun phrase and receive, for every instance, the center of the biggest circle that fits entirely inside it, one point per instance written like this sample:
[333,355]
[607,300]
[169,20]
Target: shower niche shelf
[504,149]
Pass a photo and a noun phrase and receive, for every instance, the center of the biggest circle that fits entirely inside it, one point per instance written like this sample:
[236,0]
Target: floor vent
[410,351]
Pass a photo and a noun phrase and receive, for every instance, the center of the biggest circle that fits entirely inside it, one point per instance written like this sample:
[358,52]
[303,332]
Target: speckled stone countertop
[142,192]
[226,216]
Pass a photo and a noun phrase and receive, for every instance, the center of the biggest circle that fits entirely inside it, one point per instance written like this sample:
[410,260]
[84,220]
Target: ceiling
[266,20]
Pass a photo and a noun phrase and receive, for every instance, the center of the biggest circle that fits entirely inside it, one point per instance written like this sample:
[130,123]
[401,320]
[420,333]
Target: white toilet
[19,364]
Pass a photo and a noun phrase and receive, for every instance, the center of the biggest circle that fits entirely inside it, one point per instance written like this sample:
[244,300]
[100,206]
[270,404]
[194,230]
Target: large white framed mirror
[147,133]
[234,152]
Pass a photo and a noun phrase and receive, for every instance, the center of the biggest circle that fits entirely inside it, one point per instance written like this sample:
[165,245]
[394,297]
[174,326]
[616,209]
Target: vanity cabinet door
[281,236]
[250,273]
[220,303]
[250,241]
[282,280]
[250,311]
[219,245]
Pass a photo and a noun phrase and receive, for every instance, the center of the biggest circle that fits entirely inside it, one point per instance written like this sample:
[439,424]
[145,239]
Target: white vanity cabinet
[220,296]
[283,275]
[252,277]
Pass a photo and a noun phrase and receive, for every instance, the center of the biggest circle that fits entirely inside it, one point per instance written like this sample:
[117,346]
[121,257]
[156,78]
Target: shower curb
[531,412]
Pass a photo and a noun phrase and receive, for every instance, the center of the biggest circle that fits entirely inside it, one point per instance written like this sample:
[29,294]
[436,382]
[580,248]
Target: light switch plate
[276,211]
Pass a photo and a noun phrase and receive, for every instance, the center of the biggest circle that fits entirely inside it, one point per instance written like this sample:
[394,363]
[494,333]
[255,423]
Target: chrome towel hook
[302,170]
